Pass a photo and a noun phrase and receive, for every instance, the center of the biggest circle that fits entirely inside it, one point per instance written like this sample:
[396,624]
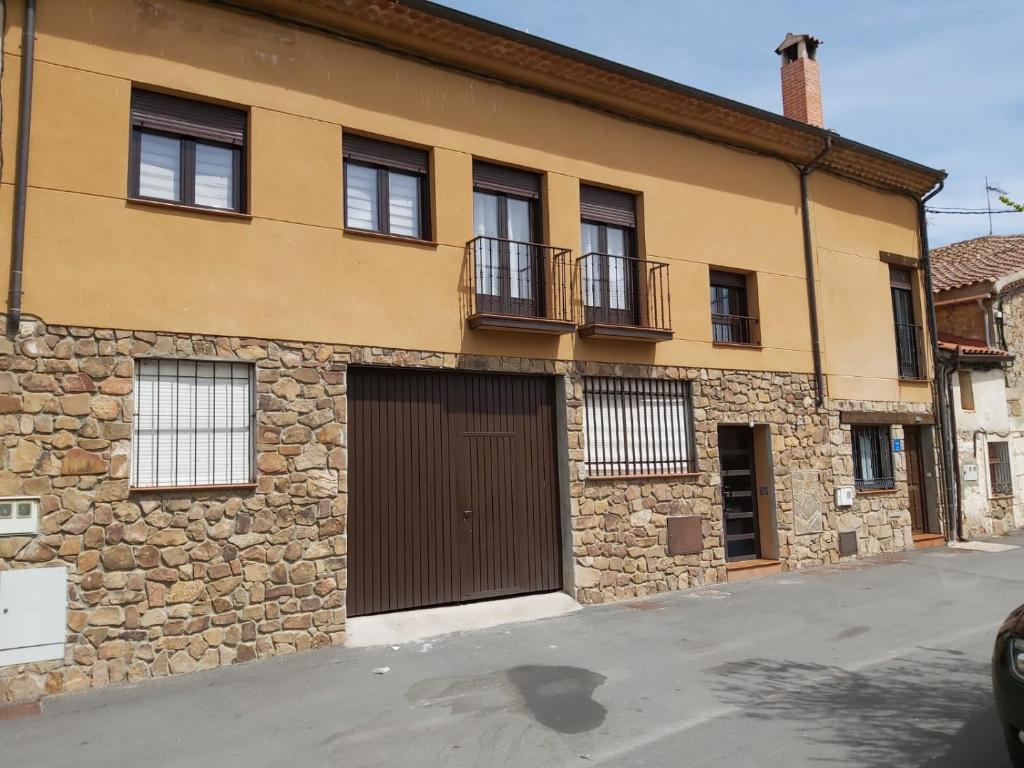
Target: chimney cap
[792,40]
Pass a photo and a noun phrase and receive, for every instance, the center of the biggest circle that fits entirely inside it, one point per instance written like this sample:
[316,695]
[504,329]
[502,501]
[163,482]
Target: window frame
[187,142]
[384,169]
[501,246]
[881,435]
[901,286]
[999,457]
[673,429]
[738,283]
[252,424]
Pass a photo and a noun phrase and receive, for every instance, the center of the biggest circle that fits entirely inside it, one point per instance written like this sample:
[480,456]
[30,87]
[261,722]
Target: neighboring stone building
[392,308]
[979,297]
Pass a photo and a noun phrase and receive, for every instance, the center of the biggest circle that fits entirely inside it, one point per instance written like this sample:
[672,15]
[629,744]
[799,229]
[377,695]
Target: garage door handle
[467,513]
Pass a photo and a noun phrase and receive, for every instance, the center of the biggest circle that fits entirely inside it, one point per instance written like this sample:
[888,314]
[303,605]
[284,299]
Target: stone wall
[619,528]
[173,581]
[169,582]
[1012,305]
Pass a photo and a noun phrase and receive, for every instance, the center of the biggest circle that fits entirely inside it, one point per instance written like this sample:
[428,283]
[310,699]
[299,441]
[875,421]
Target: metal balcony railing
[510,278]
[733,329]
[624,291]
[908,351]
[875,484]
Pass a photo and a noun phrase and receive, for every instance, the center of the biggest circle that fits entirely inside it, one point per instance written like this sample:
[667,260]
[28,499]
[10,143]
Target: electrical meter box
[33,614]
[19,516]
[844,496]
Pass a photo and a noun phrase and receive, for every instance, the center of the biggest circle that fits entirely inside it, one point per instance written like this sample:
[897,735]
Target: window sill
[913,380]
[181,207]
[191,488]
[668,476]
[736,344]
[1003,497]
[392,238]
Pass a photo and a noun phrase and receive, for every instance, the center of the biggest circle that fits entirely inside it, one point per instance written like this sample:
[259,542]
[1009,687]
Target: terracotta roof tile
[975,261]
[963,346]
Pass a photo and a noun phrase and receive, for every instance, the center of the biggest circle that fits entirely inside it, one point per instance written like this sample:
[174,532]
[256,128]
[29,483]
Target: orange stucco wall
[290,271]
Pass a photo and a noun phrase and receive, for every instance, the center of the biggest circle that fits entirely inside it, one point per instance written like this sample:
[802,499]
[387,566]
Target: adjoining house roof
[446,36]
[971,347]
[979,260]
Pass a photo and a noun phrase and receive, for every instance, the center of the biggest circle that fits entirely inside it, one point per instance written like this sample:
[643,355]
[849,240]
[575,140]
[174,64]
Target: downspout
[28,44]
[943,384]
[812,280]
[949,422]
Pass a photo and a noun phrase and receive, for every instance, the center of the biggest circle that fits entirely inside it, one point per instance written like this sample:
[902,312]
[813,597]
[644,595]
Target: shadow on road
[933,711]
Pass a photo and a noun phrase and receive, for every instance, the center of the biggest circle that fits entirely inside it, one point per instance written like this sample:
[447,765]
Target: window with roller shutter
[187,152]
[386,187]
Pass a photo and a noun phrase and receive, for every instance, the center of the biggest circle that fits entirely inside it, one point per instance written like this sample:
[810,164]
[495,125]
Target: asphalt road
[879,664]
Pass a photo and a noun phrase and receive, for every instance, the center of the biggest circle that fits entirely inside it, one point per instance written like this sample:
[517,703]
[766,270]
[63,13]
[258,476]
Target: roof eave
[398,26]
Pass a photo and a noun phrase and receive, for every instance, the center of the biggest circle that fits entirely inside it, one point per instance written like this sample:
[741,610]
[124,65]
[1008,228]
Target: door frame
[560,475]
[922,475]
[598,269]
[536,304]
[751,453]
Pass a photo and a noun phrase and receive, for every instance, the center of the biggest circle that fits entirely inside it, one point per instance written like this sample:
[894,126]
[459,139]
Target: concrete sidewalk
[881,663]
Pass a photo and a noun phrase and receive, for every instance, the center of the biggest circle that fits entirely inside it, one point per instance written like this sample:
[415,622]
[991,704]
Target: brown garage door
[452,488]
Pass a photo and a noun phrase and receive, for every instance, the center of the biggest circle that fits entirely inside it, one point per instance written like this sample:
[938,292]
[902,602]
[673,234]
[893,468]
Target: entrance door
[452,488]
[736,450]
[915,479]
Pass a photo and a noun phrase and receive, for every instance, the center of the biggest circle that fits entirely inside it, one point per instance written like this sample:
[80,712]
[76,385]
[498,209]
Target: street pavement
[875,664]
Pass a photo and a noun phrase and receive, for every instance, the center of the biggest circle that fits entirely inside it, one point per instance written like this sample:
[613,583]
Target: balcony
[518,286]
[734,329]
[623,298]
[908,351]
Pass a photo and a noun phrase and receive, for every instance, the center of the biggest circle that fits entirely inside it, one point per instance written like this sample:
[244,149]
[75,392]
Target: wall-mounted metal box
[844,496]
[19,516]
[33,614]
[685,535]
[847,543]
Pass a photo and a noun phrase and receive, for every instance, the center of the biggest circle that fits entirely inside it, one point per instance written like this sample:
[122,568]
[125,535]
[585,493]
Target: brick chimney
[801,81]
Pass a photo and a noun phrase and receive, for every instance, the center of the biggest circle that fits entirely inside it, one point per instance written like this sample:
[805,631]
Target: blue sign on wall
[897,445]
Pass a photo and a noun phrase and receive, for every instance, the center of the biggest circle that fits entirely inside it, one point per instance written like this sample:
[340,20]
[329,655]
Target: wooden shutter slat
[198,119]
[376,152]
[728,279]
[900,278]
[607,206]
[509,181]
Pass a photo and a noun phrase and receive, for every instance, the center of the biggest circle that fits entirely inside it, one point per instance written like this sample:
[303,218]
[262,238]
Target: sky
[940,82]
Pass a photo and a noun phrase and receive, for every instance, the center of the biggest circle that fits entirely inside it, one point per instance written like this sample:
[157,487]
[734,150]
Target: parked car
[1008,683]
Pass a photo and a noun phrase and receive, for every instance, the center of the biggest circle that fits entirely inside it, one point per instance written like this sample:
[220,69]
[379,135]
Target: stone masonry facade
[167,582]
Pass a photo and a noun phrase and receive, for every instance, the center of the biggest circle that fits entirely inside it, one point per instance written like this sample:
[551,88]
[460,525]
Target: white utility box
[19,516]
[844,496]
[33,614]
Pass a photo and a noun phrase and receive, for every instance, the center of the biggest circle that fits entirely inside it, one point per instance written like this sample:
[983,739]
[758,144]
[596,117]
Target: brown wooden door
[739,484]
[453,493]
[915,479]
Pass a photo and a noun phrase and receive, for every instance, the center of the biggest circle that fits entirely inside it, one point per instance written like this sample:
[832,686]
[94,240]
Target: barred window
[638,427]
[193,423]
[872,458]
[999,468]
